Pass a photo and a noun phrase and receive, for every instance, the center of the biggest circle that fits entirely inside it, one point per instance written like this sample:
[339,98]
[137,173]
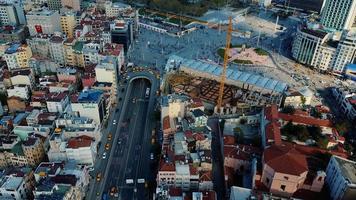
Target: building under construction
[234,77]
[264,90]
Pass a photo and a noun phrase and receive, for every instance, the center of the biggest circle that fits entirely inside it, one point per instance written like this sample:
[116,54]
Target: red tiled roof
[199,136]
[74,98]
[240,152]
[301,112]
[229,140]
[78,142]
[271,112]
[206,176]
[285,159]
[209,195]
[273,132]
[322,109]
[230,173]
[166,123]
[305,120]
[308,150]
[193,170]
[188,134]
[56,96]
[196,102]
[179,158]
[352,101]
[175,192]
[167,167]
[113,49]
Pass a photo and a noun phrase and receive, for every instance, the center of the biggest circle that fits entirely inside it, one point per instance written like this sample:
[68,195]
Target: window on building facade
[283,187]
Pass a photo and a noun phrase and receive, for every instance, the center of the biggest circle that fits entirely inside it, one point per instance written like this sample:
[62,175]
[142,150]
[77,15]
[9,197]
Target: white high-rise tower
[338,14]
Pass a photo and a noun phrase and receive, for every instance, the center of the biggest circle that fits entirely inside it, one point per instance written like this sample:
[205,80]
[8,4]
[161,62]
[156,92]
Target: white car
[114,122]
[104,155]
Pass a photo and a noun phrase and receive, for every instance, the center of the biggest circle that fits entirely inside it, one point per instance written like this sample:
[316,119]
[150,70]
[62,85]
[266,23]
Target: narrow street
[218,159]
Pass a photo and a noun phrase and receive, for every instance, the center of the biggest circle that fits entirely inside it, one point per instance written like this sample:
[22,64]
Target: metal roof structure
[233,75]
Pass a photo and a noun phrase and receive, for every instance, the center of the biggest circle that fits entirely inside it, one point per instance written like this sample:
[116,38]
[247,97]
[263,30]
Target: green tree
[288,109]
[239,135]
[315,132]
[322,142]
[3,98]
[342,127]
[243,121]
[302,133]
[256,141]
[303,100]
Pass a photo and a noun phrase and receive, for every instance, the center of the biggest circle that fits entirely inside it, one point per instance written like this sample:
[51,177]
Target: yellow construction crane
[226,60]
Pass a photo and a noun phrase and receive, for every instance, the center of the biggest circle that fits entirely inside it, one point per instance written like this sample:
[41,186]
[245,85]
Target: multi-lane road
[129,155]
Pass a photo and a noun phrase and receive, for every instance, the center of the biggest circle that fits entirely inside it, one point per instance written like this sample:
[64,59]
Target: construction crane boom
[226,60]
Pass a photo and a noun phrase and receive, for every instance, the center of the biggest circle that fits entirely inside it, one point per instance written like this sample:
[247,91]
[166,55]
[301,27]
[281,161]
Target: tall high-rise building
[345,52]
[12,14]
[338,14]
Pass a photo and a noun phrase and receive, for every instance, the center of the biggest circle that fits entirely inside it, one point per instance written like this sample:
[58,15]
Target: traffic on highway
[121,170]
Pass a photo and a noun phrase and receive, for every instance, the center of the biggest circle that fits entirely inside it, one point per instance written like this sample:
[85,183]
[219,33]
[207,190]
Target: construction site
[241,89]
[219,85]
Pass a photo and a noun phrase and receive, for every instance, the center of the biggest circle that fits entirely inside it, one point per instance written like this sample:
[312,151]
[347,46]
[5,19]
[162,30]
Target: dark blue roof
[351,67]
[13,48]
[89,96]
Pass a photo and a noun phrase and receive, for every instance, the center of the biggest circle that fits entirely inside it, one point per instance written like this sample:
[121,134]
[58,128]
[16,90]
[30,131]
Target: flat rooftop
[182,169]
[11,183]
[348,168]
[316,33]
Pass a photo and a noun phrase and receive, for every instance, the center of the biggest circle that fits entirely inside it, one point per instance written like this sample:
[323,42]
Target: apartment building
[305,44]
[58,102]
[60,180]
[72,4]
[338,15]
[91,52]
[21,91]
[72,126]
[11,13]
[68,23]
[82,149]
[78,53]
[17,56]
[39,45]
[23,77]
[340,177]
[43,22]
[70,58]
[314,47]
[285,171]
[346,101]
[345,51]
[116,9]
[12,187]
[56,49]
[33,150]
[91,104]
[67,74]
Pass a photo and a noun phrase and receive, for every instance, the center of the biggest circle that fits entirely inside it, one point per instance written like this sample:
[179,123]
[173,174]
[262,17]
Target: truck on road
[147,94]
[129,181]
